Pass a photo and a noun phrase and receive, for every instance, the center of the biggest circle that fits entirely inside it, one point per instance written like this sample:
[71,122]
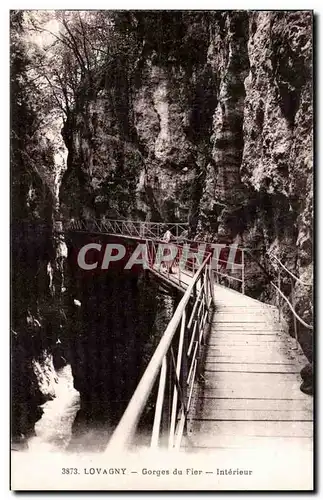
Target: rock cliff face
[212,123]
[36,276]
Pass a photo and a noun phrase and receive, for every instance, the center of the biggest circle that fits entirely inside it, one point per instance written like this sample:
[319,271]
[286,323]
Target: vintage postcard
[161,250]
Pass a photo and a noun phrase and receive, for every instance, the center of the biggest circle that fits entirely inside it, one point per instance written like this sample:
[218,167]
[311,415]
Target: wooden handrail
[288,271]
[277,288]
[291,308]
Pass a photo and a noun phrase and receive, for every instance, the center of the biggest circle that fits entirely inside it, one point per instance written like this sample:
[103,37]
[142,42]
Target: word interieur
[95,255]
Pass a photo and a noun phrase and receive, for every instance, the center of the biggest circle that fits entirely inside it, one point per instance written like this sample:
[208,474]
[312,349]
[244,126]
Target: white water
[54,429]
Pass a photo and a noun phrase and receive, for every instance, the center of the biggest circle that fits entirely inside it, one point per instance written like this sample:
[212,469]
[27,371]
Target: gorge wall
[211,122]
[199,116]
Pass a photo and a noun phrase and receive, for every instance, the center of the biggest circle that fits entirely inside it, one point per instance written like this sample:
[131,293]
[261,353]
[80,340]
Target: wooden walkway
[249,396]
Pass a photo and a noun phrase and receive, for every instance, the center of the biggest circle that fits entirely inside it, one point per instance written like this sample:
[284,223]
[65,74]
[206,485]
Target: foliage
[72,52]
[26,152]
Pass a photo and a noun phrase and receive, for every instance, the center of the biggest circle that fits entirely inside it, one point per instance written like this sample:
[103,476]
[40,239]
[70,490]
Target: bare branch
[84,42]
[75,46]
[55,96]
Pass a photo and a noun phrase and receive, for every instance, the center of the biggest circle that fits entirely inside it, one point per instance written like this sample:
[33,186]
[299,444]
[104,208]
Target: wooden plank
[226,306]
[236,319]
[250,368]
[241,326]
[241,317]
[232,338]
[274,343]
[270,359]
[249,350]
[248,328]
[255,331]
[279,346]
[281,335]
[208,431]
[247,332]
[291,390]
[293,444]
[242,312]
[250,355]
[245,328]
[255,389]
[215,414]
[255,404]
[254,359]
[244,340]
[258,306]
[230,331]
[262,325]
[262,379]
[252,339]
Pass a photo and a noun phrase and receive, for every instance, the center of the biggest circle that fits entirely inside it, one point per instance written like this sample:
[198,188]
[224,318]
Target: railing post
[211,282]
[159,405]
[278,297]
[242,270]
[199,328]
[208,293]
[177,374]
[293,304]
[206,300]
[179,271]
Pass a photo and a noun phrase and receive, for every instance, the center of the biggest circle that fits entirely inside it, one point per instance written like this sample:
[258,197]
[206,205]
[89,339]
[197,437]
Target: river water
[53,431]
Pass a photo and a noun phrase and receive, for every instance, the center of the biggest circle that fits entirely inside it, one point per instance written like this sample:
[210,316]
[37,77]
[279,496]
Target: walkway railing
[221,271]
[175,362]
[175,365]
[185,260]
[280,268]
[276,282]
[228,270]
[137,229]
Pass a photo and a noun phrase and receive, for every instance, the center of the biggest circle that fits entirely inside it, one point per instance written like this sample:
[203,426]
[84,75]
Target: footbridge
[225,373]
